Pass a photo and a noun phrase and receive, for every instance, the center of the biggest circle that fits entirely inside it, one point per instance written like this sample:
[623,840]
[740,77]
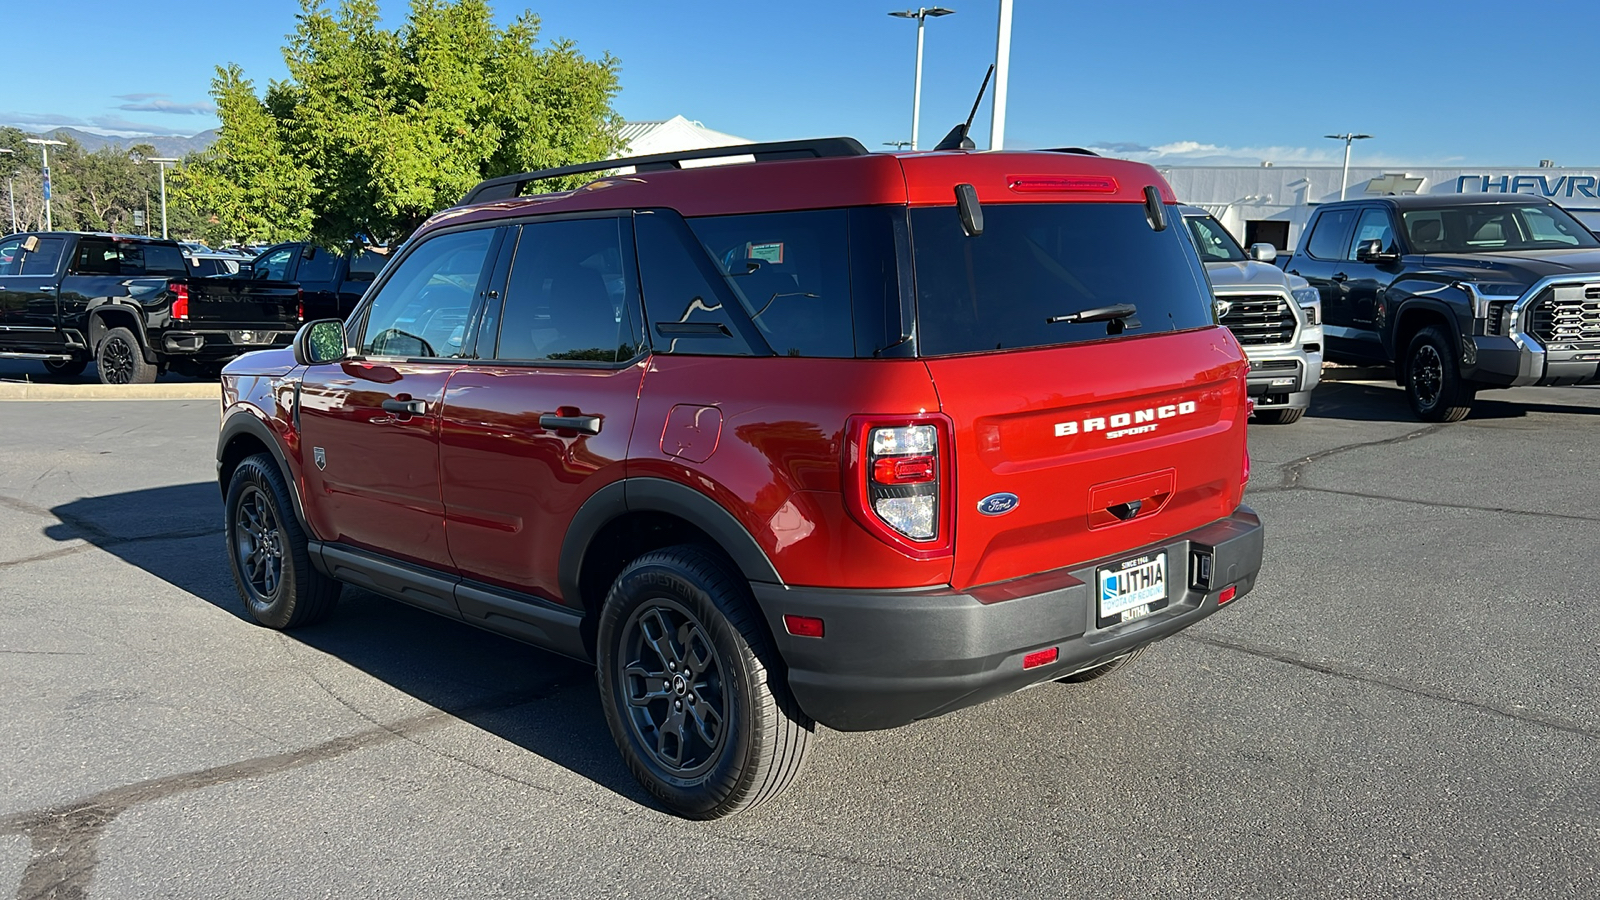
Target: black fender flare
[96,326]
[243,423]
[1412,305]
[658,495]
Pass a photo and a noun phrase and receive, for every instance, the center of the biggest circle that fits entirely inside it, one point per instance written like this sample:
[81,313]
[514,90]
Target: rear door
[542,419]
[370,425]
[28,302]
[1075,441]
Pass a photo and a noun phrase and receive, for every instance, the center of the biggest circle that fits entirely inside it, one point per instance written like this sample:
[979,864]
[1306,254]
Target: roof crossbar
[509,186]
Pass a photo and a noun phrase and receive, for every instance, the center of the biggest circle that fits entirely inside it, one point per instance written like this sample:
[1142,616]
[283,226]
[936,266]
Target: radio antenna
[957,138]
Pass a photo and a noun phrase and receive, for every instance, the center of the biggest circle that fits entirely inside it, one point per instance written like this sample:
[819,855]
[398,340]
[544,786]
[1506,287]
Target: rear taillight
[180,302]
[898,481]
[300,305]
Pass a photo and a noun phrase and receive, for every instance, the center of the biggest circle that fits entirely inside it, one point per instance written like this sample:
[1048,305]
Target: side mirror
[321,342]
[1372,252]
[1263,252]
[309,251]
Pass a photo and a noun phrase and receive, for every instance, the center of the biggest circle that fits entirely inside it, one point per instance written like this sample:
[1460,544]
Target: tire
[1116,665]
[1433,378]
[267,550]
[72,368]
[679,635]
[120,359]
[1279,416]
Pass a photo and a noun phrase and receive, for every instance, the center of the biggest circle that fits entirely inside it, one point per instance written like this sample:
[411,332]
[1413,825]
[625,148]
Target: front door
[1365,282]
[542,420]
[370,425]
[1322,265]
[28,281]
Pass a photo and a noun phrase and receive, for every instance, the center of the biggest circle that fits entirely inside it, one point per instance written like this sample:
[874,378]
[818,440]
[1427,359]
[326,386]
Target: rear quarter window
[1032,262]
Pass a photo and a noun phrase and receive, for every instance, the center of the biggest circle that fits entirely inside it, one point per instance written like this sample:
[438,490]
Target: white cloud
[1199,153]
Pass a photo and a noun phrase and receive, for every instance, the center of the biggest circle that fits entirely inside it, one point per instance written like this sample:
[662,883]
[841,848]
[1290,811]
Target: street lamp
[44,147]
[921,14]
[11,191]
[162,162]
[1347,137]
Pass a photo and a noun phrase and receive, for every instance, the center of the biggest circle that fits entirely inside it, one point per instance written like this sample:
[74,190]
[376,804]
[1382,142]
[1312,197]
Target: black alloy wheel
[258,544]
[120,359]
[1434,385]
[671,677]
[268,551]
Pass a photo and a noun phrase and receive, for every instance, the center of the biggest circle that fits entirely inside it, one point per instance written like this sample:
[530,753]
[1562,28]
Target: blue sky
[1459,82]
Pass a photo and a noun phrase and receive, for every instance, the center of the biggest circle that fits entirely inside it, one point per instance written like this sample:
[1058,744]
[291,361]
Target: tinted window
[11,257]
[321,267]
[792,273]
[424,308]
[46,259]
[684,294]
[1486,227]
[274,266]
[570,293]
[1374,226]
[367,265]
[1036,261]
[1330,236]
[1213,241]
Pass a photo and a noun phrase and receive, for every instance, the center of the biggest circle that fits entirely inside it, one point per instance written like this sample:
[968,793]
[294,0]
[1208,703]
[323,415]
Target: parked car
[827,437]
[332,283]
[1461,293]
[130,305]
[1275,316]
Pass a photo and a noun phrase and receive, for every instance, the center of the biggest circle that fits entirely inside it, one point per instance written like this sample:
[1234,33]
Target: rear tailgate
[1085,435]
[228,303]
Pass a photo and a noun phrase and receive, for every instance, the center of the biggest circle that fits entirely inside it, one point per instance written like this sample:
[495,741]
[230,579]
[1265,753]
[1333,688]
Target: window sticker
[771,252]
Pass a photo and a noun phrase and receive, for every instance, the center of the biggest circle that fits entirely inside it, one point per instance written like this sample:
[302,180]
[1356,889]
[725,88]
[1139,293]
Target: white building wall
[1237,195]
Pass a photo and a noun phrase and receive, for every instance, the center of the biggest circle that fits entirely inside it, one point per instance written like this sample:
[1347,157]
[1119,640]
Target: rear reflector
[1055,184]
[1228,593]
[803,626]
[1040,658]
[903,469]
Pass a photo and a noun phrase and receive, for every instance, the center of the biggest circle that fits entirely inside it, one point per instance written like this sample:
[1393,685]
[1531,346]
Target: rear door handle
[1340,277]
[579,423]
[405,407]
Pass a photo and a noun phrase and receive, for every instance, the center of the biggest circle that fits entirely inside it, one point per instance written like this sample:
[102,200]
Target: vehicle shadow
[541,702]
[1373,401]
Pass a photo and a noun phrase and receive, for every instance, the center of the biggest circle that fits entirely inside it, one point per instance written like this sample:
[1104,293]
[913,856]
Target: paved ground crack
[1327,668]
[1293,472]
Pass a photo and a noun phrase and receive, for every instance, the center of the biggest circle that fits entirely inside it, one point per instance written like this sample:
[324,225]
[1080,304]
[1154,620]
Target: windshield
[1037,261]
[1486,228]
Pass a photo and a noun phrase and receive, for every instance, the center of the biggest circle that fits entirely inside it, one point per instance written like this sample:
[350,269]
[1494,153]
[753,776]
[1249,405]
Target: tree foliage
[99,191]
[375,130]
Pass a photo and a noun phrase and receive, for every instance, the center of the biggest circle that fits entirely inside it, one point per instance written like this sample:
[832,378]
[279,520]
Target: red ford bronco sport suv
[827,437]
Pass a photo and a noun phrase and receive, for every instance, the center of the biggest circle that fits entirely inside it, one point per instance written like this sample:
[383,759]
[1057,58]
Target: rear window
[995,291]
[126,258]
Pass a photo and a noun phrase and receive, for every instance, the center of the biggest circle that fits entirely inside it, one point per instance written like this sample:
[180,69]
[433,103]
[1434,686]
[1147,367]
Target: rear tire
[1104,669]
[120,359]
[692,688]
[268,552]
[72,368]
[1279,416]
[1433,379]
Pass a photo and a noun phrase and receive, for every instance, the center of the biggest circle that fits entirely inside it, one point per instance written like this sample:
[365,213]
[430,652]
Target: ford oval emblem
[997,504]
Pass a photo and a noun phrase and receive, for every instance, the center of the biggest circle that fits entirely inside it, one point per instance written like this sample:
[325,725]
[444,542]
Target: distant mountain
[166,145]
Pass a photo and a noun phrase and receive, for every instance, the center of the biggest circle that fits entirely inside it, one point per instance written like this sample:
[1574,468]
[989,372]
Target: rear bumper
[888,657]
[220,345]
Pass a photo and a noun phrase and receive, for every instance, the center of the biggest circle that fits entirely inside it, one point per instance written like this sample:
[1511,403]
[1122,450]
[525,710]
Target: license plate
[254,337]
[1131,584]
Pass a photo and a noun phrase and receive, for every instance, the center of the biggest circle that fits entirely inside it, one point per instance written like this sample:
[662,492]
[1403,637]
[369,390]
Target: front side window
[274,266]
[11,257]
[424,308]
[46,259]
[1373,226]
[1488,227]
[1330,236]
[1038,261]
[571,294]
[1213,241]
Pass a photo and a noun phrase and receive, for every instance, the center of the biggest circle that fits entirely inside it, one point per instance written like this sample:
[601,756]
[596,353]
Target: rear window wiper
[1098,314]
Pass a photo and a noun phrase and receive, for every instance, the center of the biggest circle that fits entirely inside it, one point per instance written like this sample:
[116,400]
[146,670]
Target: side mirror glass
[319,343]
[1263,252]
[1372,252]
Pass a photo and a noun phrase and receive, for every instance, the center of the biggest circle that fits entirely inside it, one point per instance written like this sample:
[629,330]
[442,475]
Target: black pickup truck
[1461,293]
[130,305]
[331,283]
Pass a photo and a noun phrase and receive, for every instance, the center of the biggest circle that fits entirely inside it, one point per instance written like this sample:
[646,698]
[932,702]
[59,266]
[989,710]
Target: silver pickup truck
[1276,317]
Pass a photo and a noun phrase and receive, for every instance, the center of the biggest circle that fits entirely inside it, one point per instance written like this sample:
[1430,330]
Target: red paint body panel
[380,489]
[777,464]
[511,488]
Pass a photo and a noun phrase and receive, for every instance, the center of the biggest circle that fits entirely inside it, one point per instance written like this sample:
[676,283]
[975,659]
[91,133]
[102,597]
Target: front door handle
[405,407]
[1340,277]
[47,289]
[578,422]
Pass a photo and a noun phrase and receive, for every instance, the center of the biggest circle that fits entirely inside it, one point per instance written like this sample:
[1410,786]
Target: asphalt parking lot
[1406,706]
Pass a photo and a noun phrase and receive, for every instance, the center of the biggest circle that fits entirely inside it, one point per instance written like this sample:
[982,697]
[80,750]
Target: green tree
[375,130]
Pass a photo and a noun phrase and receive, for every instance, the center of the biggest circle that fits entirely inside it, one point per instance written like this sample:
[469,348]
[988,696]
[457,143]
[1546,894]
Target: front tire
[120,359]
[1279,416]
[1111,668]
[1433,379]
[268,551]
[692,688]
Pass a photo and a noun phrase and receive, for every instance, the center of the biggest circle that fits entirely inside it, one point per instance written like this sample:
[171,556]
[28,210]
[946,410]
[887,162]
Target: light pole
[1002,77]
[162,162]
[1344,180]
[44,147]
[921,14]
[11,191]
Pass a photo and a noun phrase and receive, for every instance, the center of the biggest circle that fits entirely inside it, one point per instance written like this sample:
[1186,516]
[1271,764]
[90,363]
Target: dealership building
[1270,204]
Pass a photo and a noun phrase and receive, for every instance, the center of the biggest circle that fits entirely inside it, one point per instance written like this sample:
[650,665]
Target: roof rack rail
[1078,150]
[509,186]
